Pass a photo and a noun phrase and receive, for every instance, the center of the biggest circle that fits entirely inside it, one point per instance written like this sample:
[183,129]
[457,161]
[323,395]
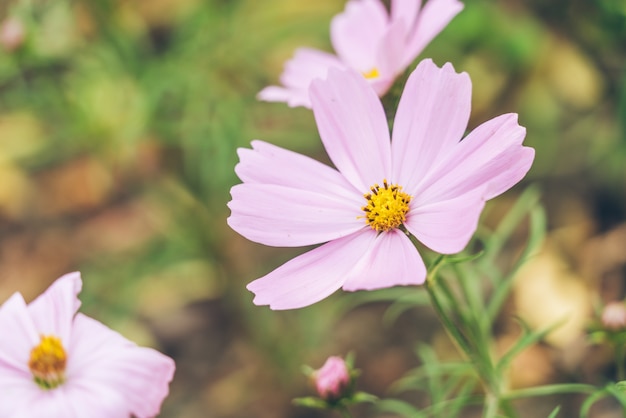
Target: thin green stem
[479,357]
[550,390]
[620,357]
[458,338]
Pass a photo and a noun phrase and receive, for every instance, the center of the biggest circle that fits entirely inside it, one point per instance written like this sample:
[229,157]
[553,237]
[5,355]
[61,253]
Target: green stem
[458,338]
[550,390]
[492,402]
[620,357]
[480,358]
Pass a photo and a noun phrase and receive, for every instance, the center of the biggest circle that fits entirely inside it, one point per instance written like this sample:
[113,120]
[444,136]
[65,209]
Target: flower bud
[332,379]
[12,34]
[614,316]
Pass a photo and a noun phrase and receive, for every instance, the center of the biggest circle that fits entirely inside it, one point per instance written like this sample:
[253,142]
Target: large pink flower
[425,182]
[57,363]
[378,44]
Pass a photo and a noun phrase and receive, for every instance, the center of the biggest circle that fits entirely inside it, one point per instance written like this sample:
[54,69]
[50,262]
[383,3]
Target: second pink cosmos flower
[377,43]
[424,181]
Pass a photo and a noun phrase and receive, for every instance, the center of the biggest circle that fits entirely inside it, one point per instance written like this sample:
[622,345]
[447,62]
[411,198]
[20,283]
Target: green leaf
[311,402]
[399,407]
[503,287]
[361,397]
[528,339]
[586,406]
[547,390]
[554,413]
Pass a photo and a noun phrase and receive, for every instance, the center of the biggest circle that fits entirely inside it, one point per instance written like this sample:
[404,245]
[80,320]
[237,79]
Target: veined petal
[432,19]
[53,311]
[353,33]
[353,127]
[19,334]
[105,359]
[94,400]
[446,226]
[391,261]
[405,10]
[389,56]
[431,118]
[288,217]
[18,391]
[490,157]
[306,65]
[311,276]
[269,164]
[49,404]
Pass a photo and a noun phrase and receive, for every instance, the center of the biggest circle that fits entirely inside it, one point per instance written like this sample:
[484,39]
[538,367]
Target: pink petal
[353,128]
[391,261]
[311,276]
[92,399]
[18,393]
[137,377]
[294,97]
[431,118]
[306,65]
[53,311]
[19,335]
[433,18]
[389,56]
[49,404]
[357,31]
[406,11]
[287,217]
[490,157]
[269,164]
[446,226]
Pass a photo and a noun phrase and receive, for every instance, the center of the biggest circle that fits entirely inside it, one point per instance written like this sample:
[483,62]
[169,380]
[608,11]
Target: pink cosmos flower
[425,182]
[12,34]
[614,316]
[57,363]
[367,38]
[332,378]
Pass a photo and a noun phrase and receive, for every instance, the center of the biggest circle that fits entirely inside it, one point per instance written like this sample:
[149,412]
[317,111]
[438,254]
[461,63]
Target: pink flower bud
[12,34]
[614,316]
[332,378]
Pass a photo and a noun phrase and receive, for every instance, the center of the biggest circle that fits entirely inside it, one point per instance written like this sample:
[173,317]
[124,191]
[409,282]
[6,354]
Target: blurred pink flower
[332,379]
[367,38]
[12,34]
[614,316]
[425,181]
[57,363]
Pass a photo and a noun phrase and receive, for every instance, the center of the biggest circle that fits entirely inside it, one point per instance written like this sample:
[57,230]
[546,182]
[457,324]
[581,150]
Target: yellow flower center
[373,73]
[47,362]
[386,207]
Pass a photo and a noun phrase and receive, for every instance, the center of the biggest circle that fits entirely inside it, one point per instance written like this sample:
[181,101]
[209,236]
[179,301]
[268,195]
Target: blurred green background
[119,124]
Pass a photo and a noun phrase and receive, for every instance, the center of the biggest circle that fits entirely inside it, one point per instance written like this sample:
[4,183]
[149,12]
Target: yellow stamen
[47,362]
[386,207]
[373,73]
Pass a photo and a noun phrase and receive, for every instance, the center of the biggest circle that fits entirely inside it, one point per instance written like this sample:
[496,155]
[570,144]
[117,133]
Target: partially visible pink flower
[12,34]
[614,316]
[332,379]
[425,182]
[57,363]
[367,38]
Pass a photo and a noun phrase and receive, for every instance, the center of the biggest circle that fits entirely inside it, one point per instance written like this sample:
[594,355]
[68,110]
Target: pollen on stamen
[386,206]
[371,74]
[47,362]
